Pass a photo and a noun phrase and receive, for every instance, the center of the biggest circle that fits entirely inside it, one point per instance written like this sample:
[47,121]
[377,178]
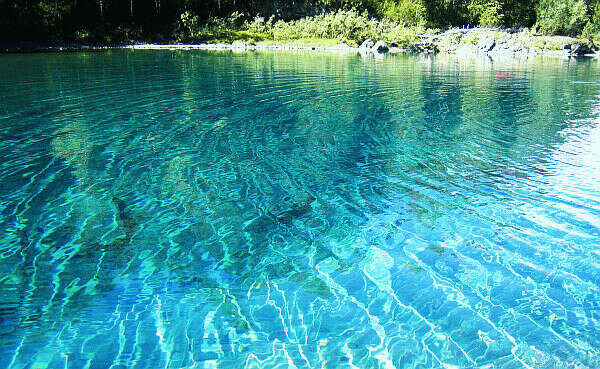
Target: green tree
[519,13]
[566,17]
[408,12]
[486,13]
[446,13]
[592,28]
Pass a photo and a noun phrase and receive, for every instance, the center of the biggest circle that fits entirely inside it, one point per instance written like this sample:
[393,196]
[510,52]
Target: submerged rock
[296,211]
[260,224]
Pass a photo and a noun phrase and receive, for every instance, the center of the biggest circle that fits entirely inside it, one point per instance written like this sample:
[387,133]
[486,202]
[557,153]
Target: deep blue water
[163,209]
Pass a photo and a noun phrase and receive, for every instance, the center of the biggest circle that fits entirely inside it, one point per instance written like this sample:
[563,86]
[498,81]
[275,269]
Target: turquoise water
[163,209]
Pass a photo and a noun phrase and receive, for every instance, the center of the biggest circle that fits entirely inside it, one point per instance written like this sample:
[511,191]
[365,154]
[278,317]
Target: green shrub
[343,25]
[401,36]
[259,25]
[187,26]
[82,35]
[350,26]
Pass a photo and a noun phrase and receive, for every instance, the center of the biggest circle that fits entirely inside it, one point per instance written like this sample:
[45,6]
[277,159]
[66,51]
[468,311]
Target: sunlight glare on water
[169,209]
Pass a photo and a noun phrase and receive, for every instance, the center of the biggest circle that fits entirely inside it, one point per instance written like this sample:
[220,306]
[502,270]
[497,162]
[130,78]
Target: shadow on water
[127,222]
[269,220]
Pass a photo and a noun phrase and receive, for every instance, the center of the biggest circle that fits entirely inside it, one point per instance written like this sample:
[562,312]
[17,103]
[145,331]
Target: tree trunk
[131,7]
[101,10]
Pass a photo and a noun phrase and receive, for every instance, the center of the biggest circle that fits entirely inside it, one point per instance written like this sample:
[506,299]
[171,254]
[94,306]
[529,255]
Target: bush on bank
[349,26]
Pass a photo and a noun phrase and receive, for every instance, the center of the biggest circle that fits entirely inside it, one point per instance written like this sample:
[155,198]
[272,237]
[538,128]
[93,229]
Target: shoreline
[26,48]
[493,43]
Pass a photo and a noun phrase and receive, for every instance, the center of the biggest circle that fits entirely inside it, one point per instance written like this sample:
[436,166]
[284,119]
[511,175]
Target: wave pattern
[262,210]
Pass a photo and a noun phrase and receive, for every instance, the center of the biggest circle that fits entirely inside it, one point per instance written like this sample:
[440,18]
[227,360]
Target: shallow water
[261,210]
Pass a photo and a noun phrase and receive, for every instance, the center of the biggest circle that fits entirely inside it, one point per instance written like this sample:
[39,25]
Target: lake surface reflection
[298,210]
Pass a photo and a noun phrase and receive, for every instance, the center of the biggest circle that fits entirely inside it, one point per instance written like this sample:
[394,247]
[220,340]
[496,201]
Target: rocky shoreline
[494,43]
[497,43]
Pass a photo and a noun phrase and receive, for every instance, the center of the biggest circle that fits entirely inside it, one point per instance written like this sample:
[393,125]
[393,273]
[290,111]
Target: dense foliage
[562,16]
[124,20]
[348,26]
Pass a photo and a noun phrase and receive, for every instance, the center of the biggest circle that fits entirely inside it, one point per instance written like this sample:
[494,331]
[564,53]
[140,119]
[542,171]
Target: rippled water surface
[164,209]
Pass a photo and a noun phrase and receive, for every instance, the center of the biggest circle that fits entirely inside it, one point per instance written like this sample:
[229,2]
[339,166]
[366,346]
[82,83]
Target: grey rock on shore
[506,43]
[380,47]
[369,46]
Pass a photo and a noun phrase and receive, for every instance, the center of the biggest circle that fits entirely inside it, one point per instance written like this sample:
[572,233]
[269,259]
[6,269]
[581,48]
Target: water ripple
[257,210]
